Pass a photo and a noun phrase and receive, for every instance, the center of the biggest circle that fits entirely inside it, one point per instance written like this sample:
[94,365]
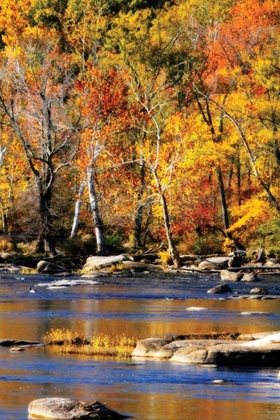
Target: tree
[102,104]
[35,96]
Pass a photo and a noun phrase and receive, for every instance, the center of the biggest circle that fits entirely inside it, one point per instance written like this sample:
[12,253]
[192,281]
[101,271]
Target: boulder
[179,347]
[149,346]
[134,266]
[97,262]
[41,265]
[267,355]
[66,408]
[190,355]
[214,263]
[227,275]
[47,267]
[250,277]
[220,288]
[261,350]
[258,291]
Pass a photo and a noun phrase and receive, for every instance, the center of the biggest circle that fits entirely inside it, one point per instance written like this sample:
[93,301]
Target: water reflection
[148,390]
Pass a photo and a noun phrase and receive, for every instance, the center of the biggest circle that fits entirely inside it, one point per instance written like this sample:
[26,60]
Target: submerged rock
[66,408]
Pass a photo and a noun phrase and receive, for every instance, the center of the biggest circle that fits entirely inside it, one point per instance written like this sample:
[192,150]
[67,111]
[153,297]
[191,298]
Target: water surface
[146,389]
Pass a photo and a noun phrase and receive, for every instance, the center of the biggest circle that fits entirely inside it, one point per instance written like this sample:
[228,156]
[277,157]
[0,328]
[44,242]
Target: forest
[140,124]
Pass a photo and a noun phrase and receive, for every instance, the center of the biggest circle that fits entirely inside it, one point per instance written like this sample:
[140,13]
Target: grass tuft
[66,341]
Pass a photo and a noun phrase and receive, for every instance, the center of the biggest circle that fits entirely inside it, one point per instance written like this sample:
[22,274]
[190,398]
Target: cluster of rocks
[245,350]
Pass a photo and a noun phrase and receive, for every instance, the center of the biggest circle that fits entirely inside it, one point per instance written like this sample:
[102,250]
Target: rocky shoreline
[230,267]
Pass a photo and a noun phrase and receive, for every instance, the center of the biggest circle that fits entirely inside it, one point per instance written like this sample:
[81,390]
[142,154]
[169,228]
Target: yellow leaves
[253,212]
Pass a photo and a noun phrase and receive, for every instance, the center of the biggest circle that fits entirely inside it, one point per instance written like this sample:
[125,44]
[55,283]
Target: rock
[41,265]
[250,277]
[220,381]
[179,347]
[96,262]
[243,356]
[214,263]
[190,355]
[134,266]
[227,275]
[258,291]
[16,343]
[149,346]
[5,256]
[167,351]
[262,350]
[220,288]
[47,267]
[66,408]
[12,268]
[271,262]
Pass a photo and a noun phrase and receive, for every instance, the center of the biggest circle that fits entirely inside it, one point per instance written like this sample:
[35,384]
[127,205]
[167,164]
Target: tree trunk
[46,227]
[170,241]
[100,241]
[223,200]
[139,212]
[78,204]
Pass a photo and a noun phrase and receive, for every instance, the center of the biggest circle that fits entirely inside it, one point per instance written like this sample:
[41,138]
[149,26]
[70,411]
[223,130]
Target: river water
[143,307]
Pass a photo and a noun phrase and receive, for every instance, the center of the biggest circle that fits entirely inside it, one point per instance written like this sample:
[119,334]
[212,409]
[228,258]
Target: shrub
[6,244]
[165,257]
[114,243]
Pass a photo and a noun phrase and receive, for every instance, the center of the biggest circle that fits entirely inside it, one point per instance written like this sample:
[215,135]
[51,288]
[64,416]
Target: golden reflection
[142,318]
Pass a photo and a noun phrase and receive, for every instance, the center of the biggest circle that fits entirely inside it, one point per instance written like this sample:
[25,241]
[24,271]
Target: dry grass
[66,341]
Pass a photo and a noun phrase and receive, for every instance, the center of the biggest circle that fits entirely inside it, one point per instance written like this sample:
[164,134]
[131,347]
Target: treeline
[147,121]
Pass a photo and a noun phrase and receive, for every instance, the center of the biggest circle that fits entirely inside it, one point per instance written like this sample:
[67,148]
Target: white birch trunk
[100,241]
[78,205]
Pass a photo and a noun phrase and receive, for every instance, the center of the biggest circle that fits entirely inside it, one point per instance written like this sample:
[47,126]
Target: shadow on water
[145,389]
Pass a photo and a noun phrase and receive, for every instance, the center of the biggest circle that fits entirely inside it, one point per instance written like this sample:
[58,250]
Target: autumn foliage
[156,122]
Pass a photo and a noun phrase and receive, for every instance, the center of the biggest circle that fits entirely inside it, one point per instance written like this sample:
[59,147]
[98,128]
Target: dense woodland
[140,123]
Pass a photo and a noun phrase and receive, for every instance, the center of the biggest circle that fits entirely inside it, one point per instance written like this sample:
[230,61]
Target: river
[143,307]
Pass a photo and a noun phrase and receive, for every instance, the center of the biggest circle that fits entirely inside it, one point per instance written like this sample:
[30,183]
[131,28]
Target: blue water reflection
[146,389]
